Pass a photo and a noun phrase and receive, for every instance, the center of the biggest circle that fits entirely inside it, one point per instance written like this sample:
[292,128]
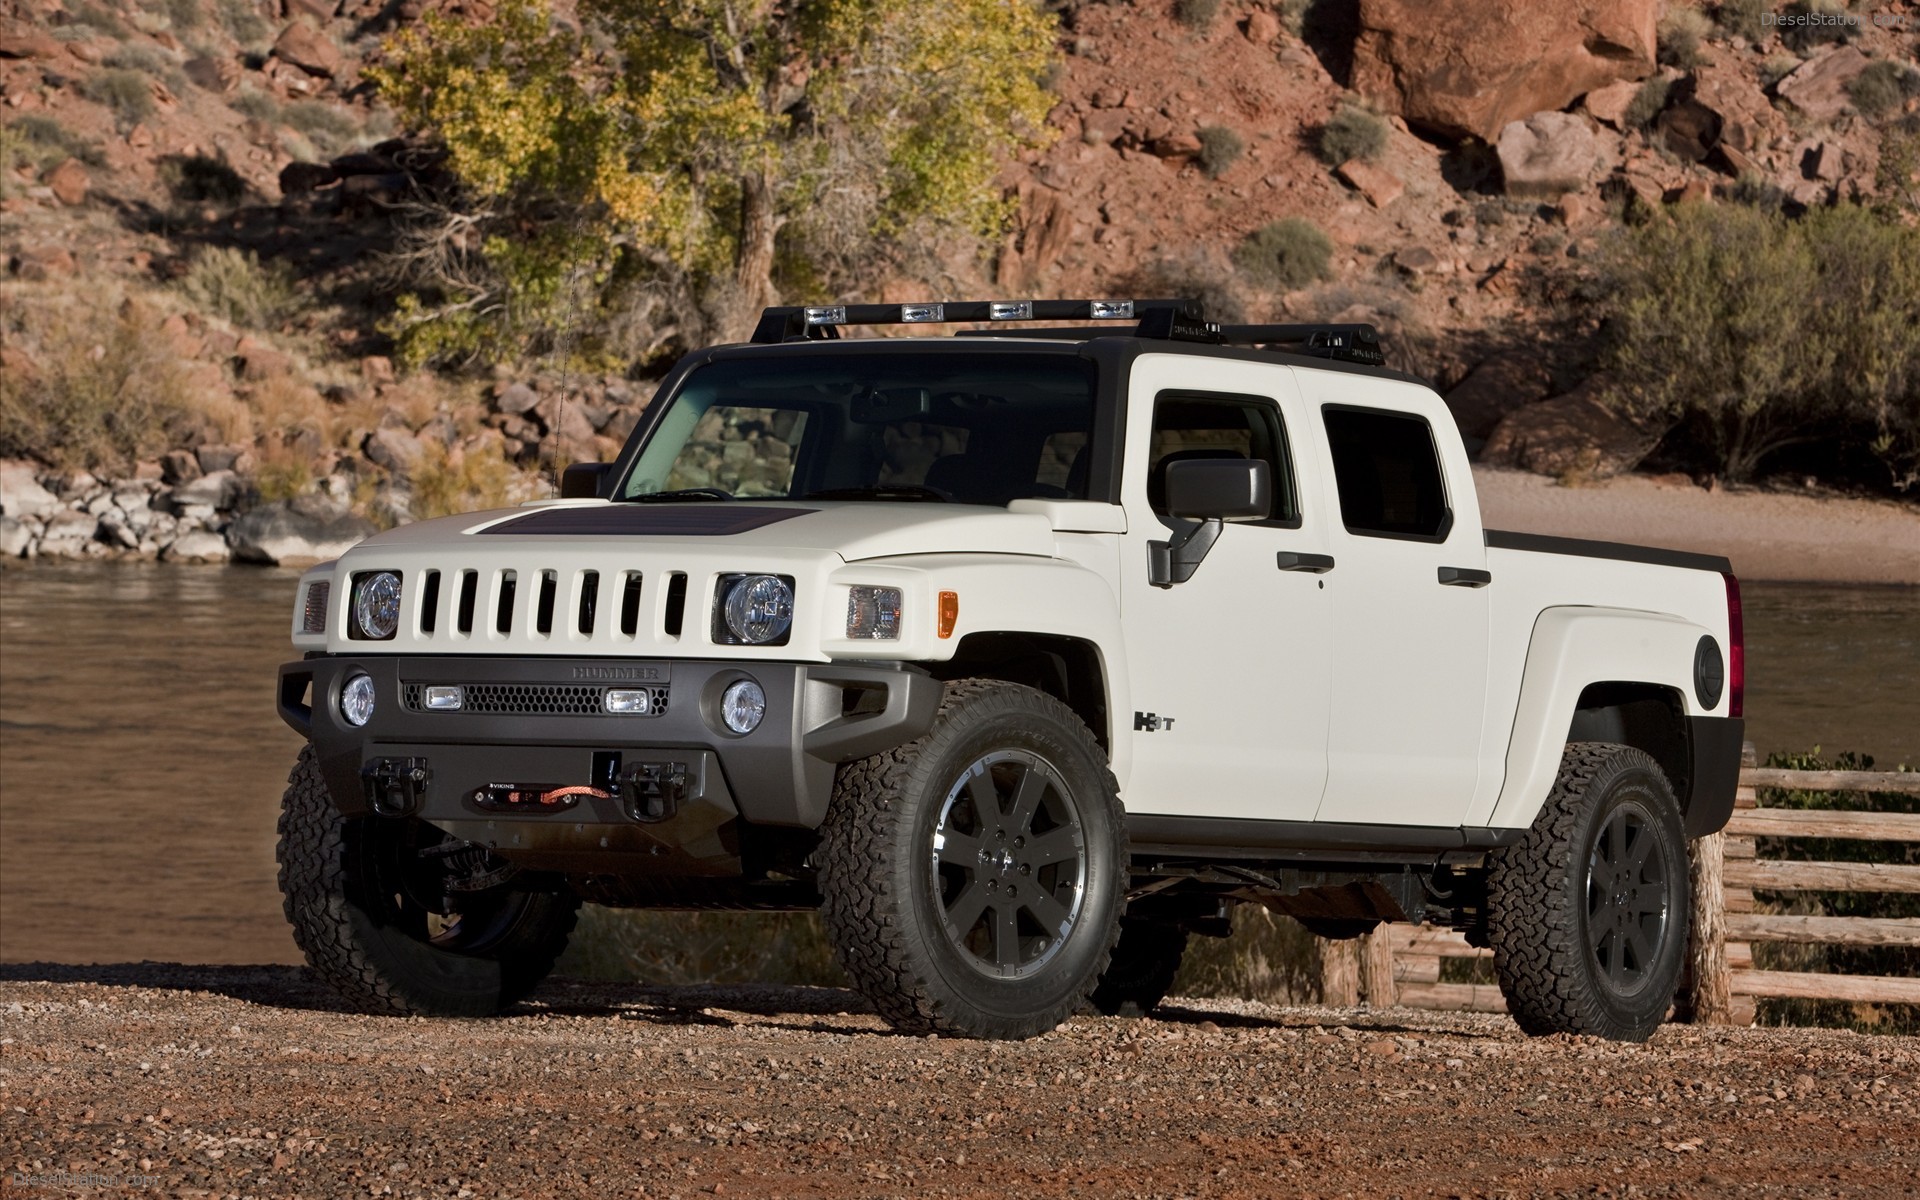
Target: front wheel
[401,920]
[1587,915]
[972,880]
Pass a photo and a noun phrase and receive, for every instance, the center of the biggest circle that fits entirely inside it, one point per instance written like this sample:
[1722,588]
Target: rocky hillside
[198,193]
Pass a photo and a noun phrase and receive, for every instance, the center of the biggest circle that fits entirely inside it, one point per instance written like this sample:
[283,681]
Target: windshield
[963,428]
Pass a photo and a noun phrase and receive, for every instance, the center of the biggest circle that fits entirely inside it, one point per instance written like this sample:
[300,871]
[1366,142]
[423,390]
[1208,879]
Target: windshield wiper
[701,493]
[884,491]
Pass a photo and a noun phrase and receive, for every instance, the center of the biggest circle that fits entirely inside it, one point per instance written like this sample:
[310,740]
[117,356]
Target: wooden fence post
[1708,998]
[1339,973]
[1376,968]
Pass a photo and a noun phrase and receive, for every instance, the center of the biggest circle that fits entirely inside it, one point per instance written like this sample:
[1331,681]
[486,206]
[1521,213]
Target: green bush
[235,285]
[1680,33]
[43,141]
[1220,148]
[1287,254]
[124,90]
[1196,15]
[1647,103]
[1883,86]
[1353,132]
[1744,333]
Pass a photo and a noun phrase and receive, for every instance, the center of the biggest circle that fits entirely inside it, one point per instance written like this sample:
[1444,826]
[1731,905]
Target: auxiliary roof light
[1010,310]
[827,314]
[1111,310]
[913,314]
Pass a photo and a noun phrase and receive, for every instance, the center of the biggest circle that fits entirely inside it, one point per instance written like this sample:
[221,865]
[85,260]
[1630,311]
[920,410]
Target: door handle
[1465,577]
[1319,564]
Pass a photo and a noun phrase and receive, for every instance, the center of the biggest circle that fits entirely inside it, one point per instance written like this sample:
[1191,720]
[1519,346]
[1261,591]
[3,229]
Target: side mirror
[582,481]
[1228,489]
[1208,491]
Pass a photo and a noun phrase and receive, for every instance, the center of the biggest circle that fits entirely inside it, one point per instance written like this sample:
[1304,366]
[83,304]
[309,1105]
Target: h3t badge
[1144,722]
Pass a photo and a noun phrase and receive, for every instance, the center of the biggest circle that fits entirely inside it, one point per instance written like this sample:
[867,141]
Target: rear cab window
[1386,467]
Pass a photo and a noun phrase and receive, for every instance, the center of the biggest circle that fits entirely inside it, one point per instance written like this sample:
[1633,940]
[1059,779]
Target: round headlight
[376,605]
[356,700]
[742,705]
[759,608]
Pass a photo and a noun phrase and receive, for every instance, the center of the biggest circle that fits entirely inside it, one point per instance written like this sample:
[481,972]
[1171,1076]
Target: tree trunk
[752,283]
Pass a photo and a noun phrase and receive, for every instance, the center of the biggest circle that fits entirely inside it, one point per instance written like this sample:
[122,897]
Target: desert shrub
[1293,15]
[445,482]
[1196,15]
[1680,33]
[330,127]
[99,389]
[1268,957]
[44,141]
[95,18]
[1220,148]
[236,286]
[1776,67]
[242,20]
[681,948]
[1742,18]
[258,105]
[1898,961]
[125,91]
[198,179]
[1897,177]
[1807,38]
[1197,275]
[1353,132]
[139,56]
[1286,254]
[184,16]
[1647,103]
[1745,333]
[1883,86]
[1758,191]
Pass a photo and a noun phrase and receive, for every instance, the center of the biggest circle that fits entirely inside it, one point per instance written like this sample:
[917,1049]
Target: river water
[141,760]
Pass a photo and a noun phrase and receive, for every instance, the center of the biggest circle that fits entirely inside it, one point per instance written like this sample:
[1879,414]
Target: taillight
[1736,651]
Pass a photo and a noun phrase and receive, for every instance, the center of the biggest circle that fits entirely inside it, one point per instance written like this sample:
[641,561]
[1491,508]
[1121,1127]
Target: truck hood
[853,530]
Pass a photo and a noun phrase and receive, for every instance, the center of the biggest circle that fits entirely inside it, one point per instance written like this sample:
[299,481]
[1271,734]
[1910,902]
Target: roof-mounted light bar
[824,320]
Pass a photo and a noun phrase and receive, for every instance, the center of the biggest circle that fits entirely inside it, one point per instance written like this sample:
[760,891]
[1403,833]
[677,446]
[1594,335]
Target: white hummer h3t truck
[1022,655]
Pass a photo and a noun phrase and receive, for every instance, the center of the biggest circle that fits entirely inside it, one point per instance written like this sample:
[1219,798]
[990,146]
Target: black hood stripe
[646,520]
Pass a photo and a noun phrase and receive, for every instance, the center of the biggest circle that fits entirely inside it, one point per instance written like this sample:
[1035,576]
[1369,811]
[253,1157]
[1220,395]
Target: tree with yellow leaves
[658,170]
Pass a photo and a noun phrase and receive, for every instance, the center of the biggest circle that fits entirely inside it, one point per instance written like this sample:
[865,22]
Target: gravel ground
[169,1080]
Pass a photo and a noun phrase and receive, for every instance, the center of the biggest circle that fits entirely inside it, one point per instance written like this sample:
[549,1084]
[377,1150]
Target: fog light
[445,698]
[742,705]
[627,700]
[356,700]
[873,613]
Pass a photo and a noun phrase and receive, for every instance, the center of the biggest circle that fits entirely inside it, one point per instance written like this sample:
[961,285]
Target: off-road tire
[1141,970]
[1552,898]
[879,884]
[343,919]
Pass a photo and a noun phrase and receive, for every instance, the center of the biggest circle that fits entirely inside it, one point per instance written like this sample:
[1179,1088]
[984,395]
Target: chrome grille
[533,699]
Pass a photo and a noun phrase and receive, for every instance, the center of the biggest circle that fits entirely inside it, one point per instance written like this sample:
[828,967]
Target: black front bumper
[677,783]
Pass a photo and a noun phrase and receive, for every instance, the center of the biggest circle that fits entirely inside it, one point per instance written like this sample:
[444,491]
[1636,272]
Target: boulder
[29,43]
[1717,109]
[294,533]
[213,458]
[36,264]
[1818,87]
[1546,155]
[394,449]
[1494,388]
[1573,434]
[1380,186]
[197,546]
[69,182]
[215,491]
[20,492]
[16,537]
[1609,104]
[299,178]
[68,533]
[516,399]
[309,49]
[213,72]
[179,466]
[1438,64]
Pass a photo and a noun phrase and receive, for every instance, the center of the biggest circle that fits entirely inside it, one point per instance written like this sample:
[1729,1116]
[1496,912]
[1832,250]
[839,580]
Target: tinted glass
[975,428]
[1388,473]
[1189,426]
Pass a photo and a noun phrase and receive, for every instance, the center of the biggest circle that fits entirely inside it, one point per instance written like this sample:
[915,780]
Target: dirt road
[166,1080]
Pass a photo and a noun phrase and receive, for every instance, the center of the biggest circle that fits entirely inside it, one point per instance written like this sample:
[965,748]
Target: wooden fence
[1401,964]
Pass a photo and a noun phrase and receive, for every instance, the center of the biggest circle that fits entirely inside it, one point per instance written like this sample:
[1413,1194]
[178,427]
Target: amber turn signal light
[949,613]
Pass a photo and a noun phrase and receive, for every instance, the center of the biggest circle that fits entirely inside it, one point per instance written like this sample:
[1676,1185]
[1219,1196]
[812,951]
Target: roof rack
[1170,320]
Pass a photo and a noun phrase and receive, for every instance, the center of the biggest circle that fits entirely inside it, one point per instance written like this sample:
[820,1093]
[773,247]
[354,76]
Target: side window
[1191,425]
[1388,474]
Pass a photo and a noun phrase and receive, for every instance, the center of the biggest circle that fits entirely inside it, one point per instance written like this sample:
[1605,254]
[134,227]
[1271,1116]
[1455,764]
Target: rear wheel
[400,919]
[972,879]
[1588,914]
[1144,962]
